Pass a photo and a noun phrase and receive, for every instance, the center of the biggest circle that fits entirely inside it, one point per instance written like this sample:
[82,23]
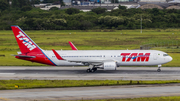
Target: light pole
[141,24]
[59,3]
[10,2]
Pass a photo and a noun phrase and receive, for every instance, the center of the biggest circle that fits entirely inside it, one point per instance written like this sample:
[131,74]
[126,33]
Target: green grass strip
[168,98]
[30,84]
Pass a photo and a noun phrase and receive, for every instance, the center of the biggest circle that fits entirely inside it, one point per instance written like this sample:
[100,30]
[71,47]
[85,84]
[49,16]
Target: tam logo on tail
[26,41]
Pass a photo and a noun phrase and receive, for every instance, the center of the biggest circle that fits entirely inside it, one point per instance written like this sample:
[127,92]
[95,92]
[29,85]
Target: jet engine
[109,66]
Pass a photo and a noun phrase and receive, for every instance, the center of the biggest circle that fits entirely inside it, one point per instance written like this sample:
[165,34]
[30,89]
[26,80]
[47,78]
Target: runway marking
[7,73]
[4,99]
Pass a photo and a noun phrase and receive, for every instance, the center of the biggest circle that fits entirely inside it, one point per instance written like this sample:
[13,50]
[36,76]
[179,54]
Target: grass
[30,84]
[174,62]
[167,98]
[92,40]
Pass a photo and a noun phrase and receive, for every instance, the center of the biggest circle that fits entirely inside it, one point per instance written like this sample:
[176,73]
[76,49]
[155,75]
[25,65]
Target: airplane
[95,59]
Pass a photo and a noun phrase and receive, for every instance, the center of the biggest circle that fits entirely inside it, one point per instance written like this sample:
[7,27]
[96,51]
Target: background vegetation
[22,13]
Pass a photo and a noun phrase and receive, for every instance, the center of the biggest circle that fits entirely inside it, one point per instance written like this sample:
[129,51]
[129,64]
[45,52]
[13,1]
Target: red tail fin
[25,43]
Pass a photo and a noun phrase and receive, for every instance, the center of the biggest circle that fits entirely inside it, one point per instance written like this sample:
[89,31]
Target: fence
[170,46]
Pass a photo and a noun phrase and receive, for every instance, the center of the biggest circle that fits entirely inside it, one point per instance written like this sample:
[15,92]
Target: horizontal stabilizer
[24,56]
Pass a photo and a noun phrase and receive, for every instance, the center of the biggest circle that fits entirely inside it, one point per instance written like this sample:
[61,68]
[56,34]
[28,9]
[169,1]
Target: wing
[85,62]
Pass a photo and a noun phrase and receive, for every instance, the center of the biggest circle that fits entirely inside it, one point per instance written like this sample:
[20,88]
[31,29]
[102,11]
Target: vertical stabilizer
[26,44]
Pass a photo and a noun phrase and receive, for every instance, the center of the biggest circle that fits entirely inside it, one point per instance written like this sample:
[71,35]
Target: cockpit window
[165,55]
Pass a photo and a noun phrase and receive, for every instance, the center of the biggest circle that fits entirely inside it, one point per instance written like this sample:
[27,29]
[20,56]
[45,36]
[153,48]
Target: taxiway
[102,92]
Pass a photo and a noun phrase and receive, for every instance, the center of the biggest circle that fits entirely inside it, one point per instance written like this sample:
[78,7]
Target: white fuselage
[132,57]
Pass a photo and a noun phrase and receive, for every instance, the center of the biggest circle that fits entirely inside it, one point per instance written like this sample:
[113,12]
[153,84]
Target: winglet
[72,46]
[57,55]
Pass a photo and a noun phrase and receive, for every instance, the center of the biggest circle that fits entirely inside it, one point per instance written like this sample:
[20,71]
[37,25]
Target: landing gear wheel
[158,70]
[94,70]
[88,70]
[91,68]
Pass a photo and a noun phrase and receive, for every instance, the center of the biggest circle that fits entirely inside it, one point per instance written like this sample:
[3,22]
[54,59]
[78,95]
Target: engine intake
[110,65]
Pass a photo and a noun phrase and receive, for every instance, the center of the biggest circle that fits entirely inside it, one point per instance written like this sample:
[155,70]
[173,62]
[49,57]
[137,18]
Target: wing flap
[98,62]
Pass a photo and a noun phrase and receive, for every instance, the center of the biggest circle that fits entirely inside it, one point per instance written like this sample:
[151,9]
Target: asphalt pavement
[79,73]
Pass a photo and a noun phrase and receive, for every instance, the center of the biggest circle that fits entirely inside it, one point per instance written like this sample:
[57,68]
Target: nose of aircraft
[170,58]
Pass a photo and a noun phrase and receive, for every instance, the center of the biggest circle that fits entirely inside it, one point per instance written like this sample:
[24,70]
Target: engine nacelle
[110,66]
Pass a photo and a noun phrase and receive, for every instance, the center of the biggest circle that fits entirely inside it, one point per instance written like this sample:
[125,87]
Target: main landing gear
[159,68]
[92,69]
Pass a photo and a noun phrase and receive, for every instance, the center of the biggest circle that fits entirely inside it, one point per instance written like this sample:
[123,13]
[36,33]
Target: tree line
[22,13]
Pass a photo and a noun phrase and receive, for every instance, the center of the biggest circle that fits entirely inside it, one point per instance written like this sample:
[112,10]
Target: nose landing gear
[159,68]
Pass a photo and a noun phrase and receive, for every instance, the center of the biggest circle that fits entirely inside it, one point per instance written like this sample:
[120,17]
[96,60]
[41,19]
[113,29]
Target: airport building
[153,0]
[81,2]
[167,4]
[87,5]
